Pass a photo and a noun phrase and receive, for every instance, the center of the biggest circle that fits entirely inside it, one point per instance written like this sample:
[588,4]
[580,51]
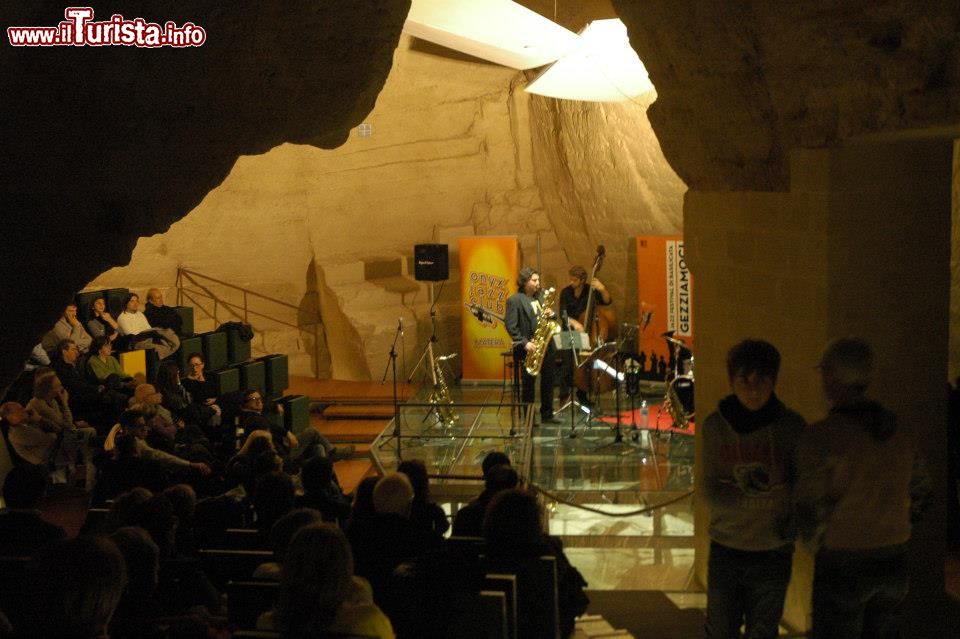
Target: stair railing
[190,288]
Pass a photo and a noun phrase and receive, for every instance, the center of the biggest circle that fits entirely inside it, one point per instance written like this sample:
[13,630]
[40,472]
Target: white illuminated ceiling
[497,30]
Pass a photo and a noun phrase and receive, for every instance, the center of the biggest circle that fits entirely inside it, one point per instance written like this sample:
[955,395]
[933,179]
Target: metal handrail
[235,310]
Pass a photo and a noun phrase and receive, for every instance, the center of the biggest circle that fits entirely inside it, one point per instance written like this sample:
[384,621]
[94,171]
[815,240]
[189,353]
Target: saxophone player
[523,311]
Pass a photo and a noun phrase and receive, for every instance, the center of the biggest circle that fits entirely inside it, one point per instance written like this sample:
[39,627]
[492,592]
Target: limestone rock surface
[742,83]
[102,145]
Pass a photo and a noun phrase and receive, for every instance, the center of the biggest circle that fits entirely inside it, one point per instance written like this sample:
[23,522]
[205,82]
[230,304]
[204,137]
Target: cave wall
[104,144]
[457,148]
[741,84]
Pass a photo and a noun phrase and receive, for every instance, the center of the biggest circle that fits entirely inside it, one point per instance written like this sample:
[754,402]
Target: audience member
[51,402]
[749,446]
[33,438]
[67,327]
[294,449]
[22,531]
[160,315]
[137,613]
[203,391]
[39,358]
[362,511]
[513,530]
[178,401]
[424,512]
[280,535]
[133,323]
[100,322]
[184,500]
[105,368]
[134,429]
[389,538]
[319,593]
[492,459]
[94,403]
[469,519]
[322,492]
[858,465]
[75,588]
[272,499]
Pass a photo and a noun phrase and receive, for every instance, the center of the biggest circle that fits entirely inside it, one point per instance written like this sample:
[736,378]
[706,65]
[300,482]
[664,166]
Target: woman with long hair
[319,593]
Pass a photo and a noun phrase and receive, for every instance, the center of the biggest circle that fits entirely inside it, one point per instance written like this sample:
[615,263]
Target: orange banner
[488,273]
[664,295]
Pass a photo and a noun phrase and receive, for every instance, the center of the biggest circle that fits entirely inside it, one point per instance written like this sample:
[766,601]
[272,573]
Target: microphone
[400,325]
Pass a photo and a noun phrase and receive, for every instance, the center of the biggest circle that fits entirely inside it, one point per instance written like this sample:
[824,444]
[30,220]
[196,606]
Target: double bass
[600,324]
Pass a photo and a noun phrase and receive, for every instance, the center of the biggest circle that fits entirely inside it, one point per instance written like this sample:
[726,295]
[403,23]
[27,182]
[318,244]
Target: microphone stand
[392,366]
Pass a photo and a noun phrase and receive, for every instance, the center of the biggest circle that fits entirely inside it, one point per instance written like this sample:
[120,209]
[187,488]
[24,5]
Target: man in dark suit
[523,311]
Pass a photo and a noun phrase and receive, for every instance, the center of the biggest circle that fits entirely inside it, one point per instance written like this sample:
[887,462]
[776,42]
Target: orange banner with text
[488,273]
[664,296]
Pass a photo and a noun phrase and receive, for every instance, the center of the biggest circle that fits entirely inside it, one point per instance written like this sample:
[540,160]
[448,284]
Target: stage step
[349,430]
[332,391]
[358,411]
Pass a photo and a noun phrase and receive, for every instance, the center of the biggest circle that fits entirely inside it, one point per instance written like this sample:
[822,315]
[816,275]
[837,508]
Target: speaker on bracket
[430,262]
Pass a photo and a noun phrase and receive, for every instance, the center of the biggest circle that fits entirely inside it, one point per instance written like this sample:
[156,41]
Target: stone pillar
[860,245]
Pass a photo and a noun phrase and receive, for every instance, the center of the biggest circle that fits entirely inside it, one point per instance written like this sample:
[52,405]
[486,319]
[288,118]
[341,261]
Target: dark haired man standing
[749,444]
[523,312]
[573,306]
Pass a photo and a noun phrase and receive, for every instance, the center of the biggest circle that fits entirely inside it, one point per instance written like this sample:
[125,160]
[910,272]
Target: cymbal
[444,358]
[668,333]
[674,340]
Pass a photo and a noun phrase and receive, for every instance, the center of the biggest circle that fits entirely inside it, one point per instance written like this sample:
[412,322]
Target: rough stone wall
[840,254]
[741,84]
[604,180]
[104,144]
[450,149]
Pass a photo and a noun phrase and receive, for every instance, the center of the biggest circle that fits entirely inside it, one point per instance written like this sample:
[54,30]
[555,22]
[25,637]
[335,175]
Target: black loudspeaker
[430,262]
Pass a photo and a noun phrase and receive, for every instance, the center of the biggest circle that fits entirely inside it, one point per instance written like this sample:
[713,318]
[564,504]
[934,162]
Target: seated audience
[319,593]
[513,530]
[184,500]
[133,323]
[40,442]
[389,538]
[362,511]
[75,588]
[424,512]
[294,449]
[39,358]
[178,401]
[322,492]
[272,499]
[134,430]
[469,519]
[94,403]
[67,327]
[105,368]
[203,391]
[51,402]
[137,614]
[22,531]
[280,535]
[159,315]
[100,322]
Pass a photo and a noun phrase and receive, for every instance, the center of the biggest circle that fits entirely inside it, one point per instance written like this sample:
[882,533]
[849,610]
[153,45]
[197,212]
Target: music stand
[574,341]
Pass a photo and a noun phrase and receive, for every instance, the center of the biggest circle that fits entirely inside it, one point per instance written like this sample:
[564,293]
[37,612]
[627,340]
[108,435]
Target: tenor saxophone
[547,327]
[441,399]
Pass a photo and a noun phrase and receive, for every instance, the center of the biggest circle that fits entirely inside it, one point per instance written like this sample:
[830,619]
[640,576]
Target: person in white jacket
[134,323]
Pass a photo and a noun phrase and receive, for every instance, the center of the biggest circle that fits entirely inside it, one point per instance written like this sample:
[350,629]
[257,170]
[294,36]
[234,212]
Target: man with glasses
[294,449]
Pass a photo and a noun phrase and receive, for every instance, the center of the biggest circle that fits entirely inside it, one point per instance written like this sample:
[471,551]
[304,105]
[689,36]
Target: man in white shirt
[134,323]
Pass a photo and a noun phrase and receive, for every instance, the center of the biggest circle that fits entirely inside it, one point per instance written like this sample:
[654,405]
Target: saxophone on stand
[440,395]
